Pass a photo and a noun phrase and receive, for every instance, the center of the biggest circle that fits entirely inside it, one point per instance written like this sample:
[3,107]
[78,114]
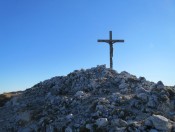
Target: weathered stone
[123,86]
[102,122]
[159,122]
[143,97]
[142,79]
[69,117]
[119,123]
[89,126]
[68,129]
[119,129]
[160,85]
[152,102]
[79,93]
[153,130]
[141,90]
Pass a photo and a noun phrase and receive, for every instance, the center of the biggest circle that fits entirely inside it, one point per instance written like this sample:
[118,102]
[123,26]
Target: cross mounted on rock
[110,42]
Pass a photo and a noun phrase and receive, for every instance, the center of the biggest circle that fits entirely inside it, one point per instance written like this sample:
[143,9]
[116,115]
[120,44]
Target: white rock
[159,122]
[103,101]
[125,74]
[102,122]
[69,117]
[79,93]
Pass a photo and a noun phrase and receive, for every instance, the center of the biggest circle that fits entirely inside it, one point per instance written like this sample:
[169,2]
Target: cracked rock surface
[96,99]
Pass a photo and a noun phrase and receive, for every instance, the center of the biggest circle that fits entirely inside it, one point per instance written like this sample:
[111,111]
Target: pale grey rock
[123,86]
[119,129]
[116,96]
[153,101]
[103,101]
[142,96]
[89,126]
[122,80]
[160,85]
[159,122]
[141,90]
[68,129]
[119,123]
[153,87]
[79,93]
[142,79]
[69,117]
[102,122]
[125,75]
[99,107]
[117,80]
[124,90]
[153,130]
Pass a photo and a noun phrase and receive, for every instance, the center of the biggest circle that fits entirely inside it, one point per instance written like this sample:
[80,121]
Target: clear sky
[40,39]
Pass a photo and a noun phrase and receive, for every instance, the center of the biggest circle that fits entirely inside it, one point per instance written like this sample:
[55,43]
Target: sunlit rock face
[96,99]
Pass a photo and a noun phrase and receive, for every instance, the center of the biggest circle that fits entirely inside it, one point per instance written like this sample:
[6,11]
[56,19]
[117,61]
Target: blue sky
[40,39]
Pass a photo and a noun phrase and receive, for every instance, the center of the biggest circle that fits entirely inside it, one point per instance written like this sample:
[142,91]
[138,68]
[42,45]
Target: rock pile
[96,99]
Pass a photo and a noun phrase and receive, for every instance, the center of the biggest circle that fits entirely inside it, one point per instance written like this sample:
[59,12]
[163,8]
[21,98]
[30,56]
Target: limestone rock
[143,97]
[95,99]
[79,93]
[102,122]
[119,123]
[159,122]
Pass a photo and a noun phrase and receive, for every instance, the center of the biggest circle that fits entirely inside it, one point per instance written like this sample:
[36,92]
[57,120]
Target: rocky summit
[96,99]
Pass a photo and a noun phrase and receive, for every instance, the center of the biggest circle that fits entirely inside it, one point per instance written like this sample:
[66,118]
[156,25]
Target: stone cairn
[96,99]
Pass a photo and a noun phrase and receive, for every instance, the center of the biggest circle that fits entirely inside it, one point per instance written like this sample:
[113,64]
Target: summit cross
[110,42]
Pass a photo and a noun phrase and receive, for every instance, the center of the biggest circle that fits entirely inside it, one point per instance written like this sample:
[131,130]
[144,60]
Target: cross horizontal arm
[110,41]
[118,41]
[107,41]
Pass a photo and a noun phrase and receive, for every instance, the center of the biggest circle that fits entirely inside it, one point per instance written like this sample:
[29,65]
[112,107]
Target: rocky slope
[7,96]
[96,99]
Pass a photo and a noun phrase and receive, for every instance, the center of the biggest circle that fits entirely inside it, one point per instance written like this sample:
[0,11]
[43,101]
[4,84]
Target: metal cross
[110,42]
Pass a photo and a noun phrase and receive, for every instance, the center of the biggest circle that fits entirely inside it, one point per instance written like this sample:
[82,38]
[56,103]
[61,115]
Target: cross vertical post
[110,42]
[111,49]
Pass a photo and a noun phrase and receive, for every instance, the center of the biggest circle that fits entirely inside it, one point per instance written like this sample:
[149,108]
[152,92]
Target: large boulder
[159,122]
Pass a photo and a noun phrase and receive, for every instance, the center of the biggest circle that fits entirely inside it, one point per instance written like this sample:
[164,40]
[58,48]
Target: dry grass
[6,97]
